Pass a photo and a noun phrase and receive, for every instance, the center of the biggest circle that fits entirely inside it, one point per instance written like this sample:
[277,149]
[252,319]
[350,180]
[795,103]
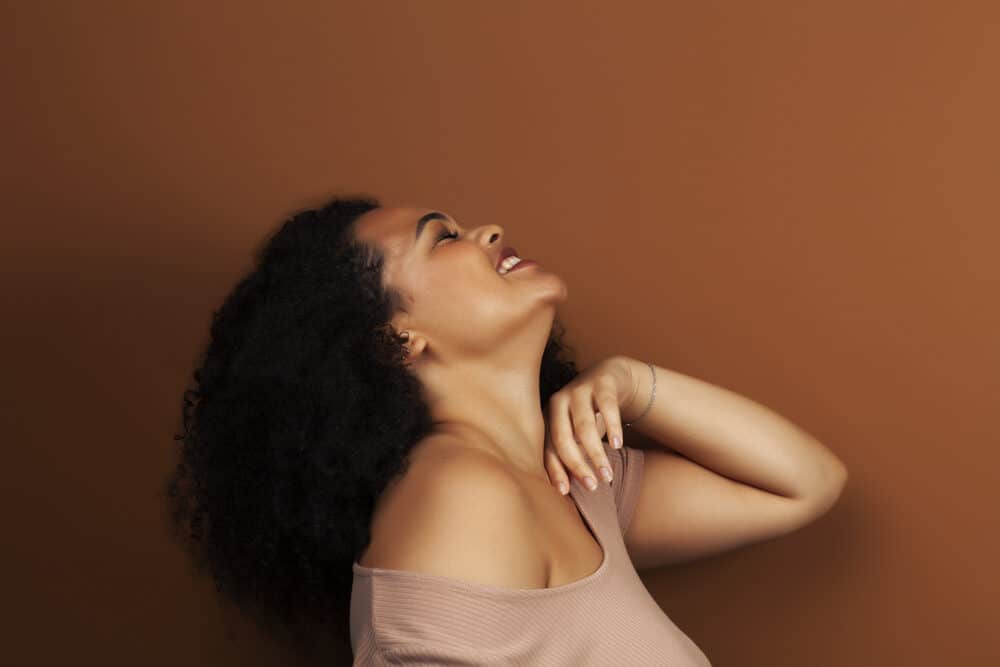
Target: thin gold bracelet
[653,395]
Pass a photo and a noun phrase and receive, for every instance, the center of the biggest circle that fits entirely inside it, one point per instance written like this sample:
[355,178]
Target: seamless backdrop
[795,200]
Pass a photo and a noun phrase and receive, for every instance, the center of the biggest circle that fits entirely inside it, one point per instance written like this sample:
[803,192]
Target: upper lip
[506,252]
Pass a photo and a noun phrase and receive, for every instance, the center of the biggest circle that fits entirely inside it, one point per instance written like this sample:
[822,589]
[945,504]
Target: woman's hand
[574,431]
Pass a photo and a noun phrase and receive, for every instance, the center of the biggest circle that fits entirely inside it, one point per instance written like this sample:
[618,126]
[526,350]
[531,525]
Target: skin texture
[475,337]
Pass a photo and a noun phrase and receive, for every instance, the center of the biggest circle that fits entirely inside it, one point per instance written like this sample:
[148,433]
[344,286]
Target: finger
[607,403]
[557,474]
[601,427]
[564,442]
[585,428]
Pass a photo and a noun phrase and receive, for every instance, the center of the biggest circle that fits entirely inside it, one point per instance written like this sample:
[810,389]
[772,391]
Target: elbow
[832,475]
[825,489]
[829,491]
[839,476]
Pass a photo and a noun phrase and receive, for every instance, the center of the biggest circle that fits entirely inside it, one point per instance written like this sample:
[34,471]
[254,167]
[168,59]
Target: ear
[414,344]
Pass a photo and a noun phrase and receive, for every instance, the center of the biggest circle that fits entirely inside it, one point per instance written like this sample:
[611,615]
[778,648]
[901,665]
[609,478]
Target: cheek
[461,273]
[481,299]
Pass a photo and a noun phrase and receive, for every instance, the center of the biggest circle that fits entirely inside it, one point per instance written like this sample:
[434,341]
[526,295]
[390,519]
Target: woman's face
[457,303]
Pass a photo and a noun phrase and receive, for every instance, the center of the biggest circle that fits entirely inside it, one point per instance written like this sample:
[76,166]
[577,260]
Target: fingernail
[591,483]
[606,473]
[563,488]
[616,442]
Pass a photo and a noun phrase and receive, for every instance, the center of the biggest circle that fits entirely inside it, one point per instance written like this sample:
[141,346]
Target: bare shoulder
[459,514]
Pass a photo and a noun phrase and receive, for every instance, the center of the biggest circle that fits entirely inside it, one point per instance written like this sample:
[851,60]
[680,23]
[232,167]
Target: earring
[405,335]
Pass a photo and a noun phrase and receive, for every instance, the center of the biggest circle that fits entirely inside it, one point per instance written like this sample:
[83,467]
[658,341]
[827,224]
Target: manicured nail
[591,483]
[606,473]
[563,488]
[616,442]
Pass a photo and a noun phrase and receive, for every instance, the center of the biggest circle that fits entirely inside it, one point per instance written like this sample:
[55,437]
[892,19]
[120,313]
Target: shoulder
[450,482]
[458,513]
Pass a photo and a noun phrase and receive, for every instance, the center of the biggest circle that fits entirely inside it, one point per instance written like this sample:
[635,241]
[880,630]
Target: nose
[493,234]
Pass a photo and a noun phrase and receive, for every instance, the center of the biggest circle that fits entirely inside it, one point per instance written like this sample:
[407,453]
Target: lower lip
[522,263]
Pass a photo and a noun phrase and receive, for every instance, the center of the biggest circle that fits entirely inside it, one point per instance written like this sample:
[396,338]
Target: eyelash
[447,235]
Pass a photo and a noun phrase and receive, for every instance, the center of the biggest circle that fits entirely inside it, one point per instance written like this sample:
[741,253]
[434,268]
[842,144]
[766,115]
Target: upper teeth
[508,264]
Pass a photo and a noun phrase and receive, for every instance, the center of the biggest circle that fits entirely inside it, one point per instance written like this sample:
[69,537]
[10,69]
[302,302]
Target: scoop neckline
[575,488]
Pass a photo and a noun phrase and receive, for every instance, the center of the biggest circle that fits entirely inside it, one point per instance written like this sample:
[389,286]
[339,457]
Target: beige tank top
[606,618]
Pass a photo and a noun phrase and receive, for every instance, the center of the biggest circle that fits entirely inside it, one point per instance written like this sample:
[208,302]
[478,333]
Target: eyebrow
[422,222]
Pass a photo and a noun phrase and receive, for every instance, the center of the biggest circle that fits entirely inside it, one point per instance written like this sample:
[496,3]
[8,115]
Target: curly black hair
[301,413]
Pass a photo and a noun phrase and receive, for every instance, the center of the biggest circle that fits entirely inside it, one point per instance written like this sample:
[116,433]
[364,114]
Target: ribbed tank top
[606,618]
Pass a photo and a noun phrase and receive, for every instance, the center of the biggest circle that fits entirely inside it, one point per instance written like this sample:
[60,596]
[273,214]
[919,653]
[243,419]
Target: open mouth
[513,263]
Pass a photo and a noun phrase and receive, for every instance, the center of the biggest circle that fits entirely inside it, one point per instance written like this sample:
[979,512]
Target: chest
[571,548]
[560,538]
[558,544]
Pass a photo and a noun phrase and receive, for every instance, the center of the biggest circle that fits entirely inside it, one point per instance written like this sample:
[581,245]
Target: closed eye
[446,235]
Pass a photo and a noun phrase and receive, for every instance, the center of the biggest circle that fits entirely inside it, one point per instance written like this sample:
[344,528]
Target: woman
[373,449]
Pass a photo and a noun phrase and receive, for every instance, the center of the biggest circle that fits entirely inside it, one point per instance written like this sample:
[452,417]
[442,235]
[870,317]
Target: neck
[492,405]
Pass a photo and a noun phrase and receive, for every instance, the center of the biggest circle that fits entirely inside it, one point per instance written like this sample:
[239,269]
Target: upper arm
[462,517]
[685,511]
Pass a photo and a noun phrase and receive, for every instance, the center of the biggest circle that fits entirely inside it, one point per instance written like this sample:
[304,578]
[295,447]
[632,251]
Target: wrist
[634,408]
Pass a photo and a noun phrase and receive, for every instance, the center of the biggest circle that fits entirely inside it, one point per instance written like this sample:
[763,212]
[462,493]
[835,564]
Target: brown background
[796,201]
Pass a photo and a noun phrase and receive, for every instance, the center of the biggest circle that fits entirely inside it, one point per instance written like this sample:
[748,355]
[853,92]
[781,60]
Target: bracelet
[653,371]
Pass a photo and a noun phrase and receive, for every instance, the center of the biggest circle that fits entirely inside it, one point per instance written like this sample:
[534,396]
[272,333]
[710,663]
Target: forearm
[731,434]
